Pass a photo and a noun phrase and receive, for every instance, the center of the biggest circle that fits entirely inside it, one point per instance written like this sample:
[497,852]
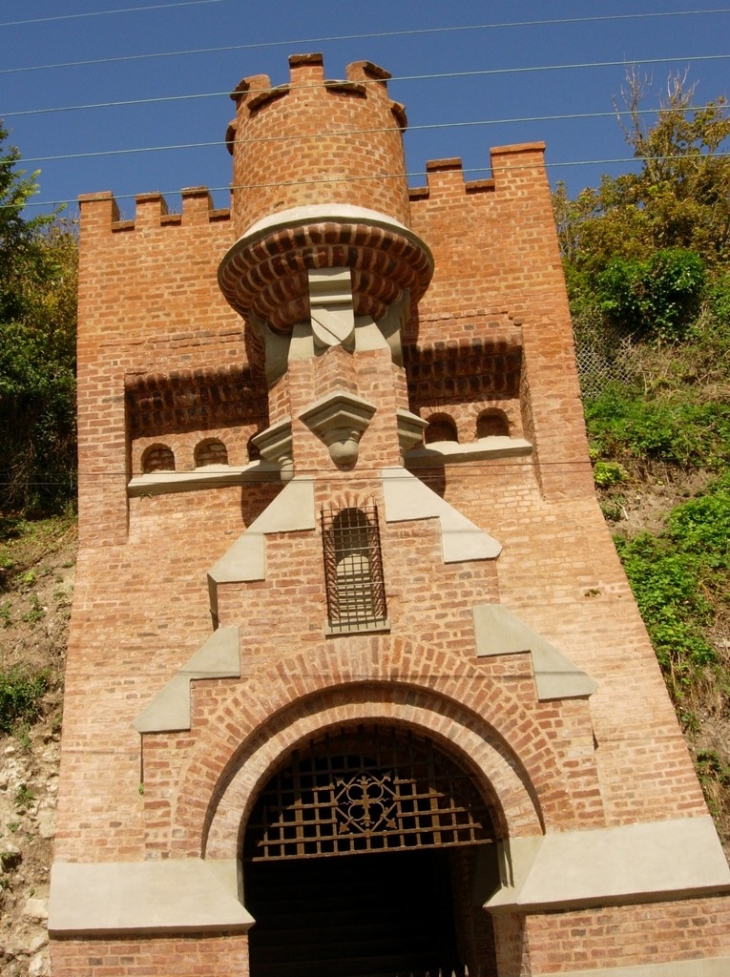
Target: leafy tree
[636,248]
[37,340]
[659,296]
[684,184]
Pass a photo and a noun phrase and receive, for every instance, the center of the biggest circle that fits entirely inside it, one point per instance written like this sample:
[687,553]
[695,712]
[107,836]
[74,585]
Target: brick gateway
[345,596]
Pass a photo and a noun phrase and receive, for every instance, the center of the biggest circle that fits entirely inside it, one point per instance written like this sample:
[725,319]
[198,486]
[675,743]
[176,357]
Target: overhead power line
[433,76]
[415,174]
[347,133]
[106,13]
[366,36]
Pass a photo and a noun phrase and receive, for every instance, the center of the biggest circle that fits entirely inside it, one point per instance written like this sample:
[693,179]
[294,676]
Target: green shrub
[607,473]
[658,297]
[719,299]
[700,529]
[674,577]
[21,695]
[677,430]
[666,588]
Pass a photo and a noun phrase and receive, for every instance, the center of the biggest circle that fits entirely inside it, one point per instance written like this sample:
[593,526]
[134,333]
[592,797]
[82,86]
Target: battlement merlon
[100,211]
[511,166]
[308,70]
[362,78]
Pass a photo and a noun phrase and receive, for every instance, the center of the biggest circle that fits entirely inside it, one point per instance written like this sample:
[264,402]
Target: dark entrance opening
[348,916]
[360,858]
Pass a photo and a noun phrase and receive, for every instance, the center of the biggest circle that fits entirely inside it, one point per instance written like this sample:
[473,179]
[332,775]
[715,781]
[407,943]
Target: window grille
[377,791]
[353,569]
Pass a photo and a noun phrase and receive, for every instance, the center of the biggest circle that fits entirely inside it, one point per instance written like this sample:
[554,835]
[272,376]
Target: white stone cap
[630,863]
[448,452]
[170,896]
[209,476]
[316,213]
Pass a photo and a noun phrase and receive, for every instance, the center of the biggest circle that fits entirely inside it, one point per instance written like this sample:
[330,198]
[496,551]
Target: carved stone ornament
[339,420]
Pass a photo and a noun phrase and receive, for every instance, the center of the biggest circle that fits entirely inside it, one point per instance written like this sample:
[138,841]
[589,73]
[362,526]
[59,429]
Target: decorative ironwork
[371,791]
[366,802]
[353,570]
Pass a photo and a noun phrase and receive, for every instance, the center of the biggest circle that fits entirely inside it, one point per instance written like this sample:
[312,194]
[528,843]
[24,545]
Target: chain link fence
[602,355]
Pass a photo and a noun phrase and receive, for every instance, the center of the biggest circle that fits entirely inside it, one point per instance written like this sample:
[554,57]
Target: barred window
[353,570]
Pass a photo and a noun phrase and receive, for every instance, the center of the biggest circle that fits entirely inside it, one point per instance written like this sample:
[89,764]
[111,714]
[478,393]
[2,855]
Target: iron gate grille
[396,794]
[353,570]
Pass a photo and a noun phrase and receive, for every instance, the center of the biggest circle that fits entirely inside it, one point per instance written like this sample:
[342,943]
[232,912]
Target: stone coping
[407,498]
[631,863]
[210,476]
[451,452]
[498,631]
[171,896]
[316,213]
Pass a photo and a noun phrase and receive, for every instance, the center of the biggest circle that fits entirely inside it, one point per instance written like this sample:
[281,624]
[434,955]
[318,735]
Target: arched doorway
[360,858]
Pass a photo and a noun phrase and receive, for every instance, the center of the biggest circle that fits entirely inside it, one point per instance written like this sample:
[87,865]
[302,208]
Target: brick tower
[356,685]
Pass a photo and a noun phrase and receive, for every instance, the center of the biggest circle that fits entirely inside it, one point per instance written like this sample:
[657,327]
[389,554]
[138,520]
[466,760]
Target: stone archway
[502,775]
[360,857]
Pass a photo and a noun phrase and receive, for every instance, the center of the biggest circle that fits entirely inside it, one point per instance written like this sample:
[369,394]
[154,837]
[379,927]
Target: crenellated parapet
[100,211]
[510,165]
[319,141]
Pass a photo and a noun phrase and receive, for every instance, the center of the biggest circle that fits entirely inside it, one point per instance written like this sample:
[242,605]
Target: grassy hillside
[647,262]
[660,442]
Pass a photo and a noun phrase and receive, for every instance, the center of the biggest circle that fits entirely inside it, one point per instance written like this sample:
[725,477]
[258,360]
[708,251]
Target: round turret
[319,183]
[315,141]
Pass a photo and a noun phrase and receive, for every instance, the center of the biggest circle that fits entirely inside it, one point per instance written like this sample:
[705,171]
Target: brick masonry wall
[508,264]
[148,302]
[624,936]
[225,955]
[153,322]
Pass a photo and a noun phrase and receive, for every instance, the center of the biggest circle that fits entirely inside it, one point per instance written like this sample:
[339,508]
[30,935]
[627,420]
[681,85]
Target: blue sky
[505,74]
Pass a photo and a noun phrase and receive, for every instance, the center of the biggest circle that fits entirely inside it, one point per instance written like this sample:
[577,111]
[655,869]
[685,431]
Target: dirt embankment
[37,563]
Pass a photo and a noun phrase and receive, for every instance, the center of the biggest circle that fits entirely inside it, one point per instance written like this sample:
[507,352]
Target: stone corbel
[332,313]
[391,324]
[275,444]
[339,420]
[276,349]
[410,429]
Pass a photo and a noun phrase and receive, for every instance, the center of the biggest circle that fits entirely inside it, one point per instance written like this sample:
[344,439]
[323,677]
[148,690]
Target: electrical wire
[420,174]
[521,120]
[367,36]
[105,13]
[433,76]
[474,471]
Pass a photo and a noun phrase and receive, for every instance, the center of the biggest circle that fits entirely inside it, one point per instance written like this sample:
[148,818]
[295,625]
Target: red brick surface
[164,360]
[174,956]
[624,936]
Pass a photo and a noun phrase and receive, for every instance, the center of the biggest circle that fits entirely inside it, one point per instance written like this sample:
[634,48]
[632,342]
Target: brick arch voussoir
[455,728]
[292,686]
